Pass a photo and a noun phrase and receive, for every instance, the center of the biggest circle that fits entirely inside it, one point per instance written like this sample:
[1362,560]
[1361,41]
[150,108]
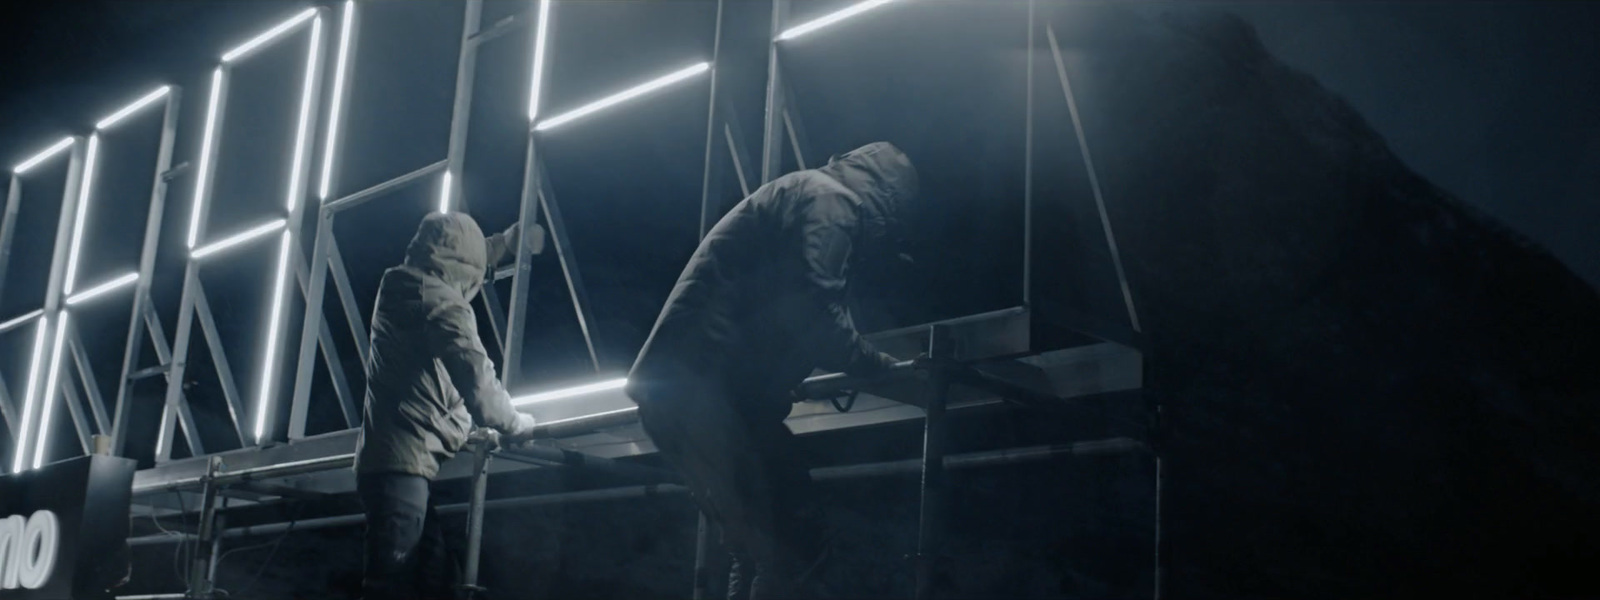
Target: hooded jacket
[428,376]
[761,303]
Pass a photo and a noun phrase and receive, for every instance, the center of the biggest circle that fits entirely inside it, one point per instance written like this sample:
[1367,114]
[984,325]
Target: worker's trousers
[742,464]
[406,555]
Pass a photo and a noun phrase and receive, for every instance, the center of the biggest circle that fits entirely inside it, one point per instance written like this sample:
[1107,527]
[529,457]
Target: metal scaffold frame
[978,360]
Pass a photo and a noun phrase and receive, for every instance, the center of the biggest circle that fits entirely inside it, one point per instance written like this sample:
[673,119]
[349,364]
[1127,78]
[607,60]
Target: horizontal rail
[974,460]
[363,196]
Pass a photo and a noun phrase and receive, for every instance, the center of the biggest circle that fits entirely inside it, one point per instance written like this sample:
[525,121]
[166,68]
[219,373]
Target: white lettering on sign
[28,548]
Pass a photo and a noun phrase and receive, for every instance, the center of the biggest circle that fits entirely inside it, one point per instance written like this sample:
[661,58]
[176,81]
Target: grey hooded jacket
[762,301]
[428,376]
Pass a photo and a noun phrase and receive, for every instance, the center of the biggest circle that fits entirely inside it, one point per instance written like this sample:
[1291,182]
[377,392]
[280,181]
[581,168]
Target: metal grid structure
[596,420]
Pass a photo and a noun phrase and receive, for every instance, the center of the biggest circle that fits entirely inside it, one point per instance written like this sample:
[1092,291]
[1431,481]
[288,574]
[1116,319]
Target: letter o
[40,541]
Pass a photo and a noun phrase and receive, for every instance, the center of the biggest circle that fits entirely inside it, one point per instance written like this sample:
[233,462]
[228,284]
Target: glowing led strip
[601,386]
[42,156]
[50,392]
[238,238]
[203,176]
[623,96]
[830,19]
[271,34]
[125,280]
[540,40]
[135,106]
[19,455]
[338,100]
[82,215]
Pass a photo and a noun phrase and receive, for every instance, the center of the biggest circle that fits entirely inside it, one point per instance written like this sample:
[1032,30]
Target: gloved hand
[523,429]
[534,240]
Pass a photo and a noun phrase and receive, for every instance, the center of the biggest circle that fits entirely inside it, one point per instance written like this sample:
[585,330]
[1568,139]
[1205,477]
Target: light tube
[18,455]
[830,18]
[83,214]
[274,321]
[50,394]
[539,38]
[123,281]
[242,49]
[444,193]
[205,156]
[126,111]
[623,96]
[14,323]
[338,100]
[237,239]
[601,386]
[43,155]
[305,116]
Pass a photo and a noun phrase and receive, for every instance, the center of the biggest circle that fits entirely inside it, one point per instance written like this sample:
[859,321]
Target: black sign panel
[62,527]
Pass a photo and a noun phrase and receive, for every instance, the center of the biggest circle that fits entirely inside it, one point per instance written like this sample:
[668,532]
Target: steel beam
[8,228]
[367,195]
[91,387]
[772,126]
[347,299]
[138,326]
[461,110]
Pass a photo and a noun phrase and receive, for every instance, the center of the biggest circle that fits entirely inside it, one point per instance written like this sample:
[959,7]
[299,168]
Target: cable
[849,404]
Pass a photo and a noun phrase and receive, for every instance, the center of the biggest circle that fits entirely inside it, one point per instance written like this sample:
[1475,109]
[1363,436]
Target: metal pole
[137,328]
[8,228]
[1156,592]
[772,126]
[702,547]
[200,568]
[930,524]
[707,185]
[461,110]
[1027,172]
[480,490]
[528,216]
[311,326]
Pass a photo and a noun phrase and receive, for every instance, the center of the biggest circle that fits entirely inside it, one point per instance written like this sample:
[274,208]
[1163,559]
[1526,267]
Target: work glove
[522,431]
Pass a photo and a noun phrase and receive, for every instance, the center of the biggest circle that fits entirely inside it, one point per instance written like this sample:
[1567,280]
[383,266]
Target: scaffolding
[949,366]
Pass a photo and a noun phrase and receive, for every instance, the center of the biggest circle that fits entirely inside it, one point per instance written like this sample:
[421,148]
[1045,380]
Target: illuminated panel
[601,386]
[238,239]
[540,40]
[83,213]
[269,361]
[19,455]
[18,321]
[444,193]
[830,19]
[125,280]
[623,96]
[43,155]
[328,145]
[50,393]
[204,174]
[267,36]
[135,106]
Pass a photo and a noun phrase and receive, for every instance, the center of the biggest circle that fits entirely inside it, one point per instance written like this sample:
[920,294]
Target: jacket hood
[883,177]
[450,247]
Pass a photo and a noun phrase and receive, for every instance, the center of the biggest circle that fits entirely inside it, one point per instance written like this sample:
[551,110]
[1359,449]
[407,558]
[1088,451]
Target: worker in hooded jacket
[760,305]
[429,382]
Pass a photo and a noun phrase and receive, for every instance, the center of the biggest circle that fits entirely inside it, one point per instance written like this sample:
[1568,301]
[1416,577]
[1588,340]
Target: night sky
[1493,101]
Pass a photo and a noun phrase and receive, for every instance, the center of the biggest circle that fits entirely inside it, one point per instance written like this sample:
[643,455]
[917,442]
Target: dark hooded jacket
[762,301]
[428,376]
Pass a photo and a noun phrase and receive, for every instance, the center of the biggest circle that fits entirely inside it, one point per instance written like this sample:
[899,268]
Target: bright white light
[610,384]
[123,281]
[42,156]
[205,156]
[269,361]
[18,456]
[83,214]
[238,238]
[305,115]
[539,39]
[623,96]
[117,117]
[444,193]
[830,18]
[13,323]
[338,100]
[267,36]
[50,394]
